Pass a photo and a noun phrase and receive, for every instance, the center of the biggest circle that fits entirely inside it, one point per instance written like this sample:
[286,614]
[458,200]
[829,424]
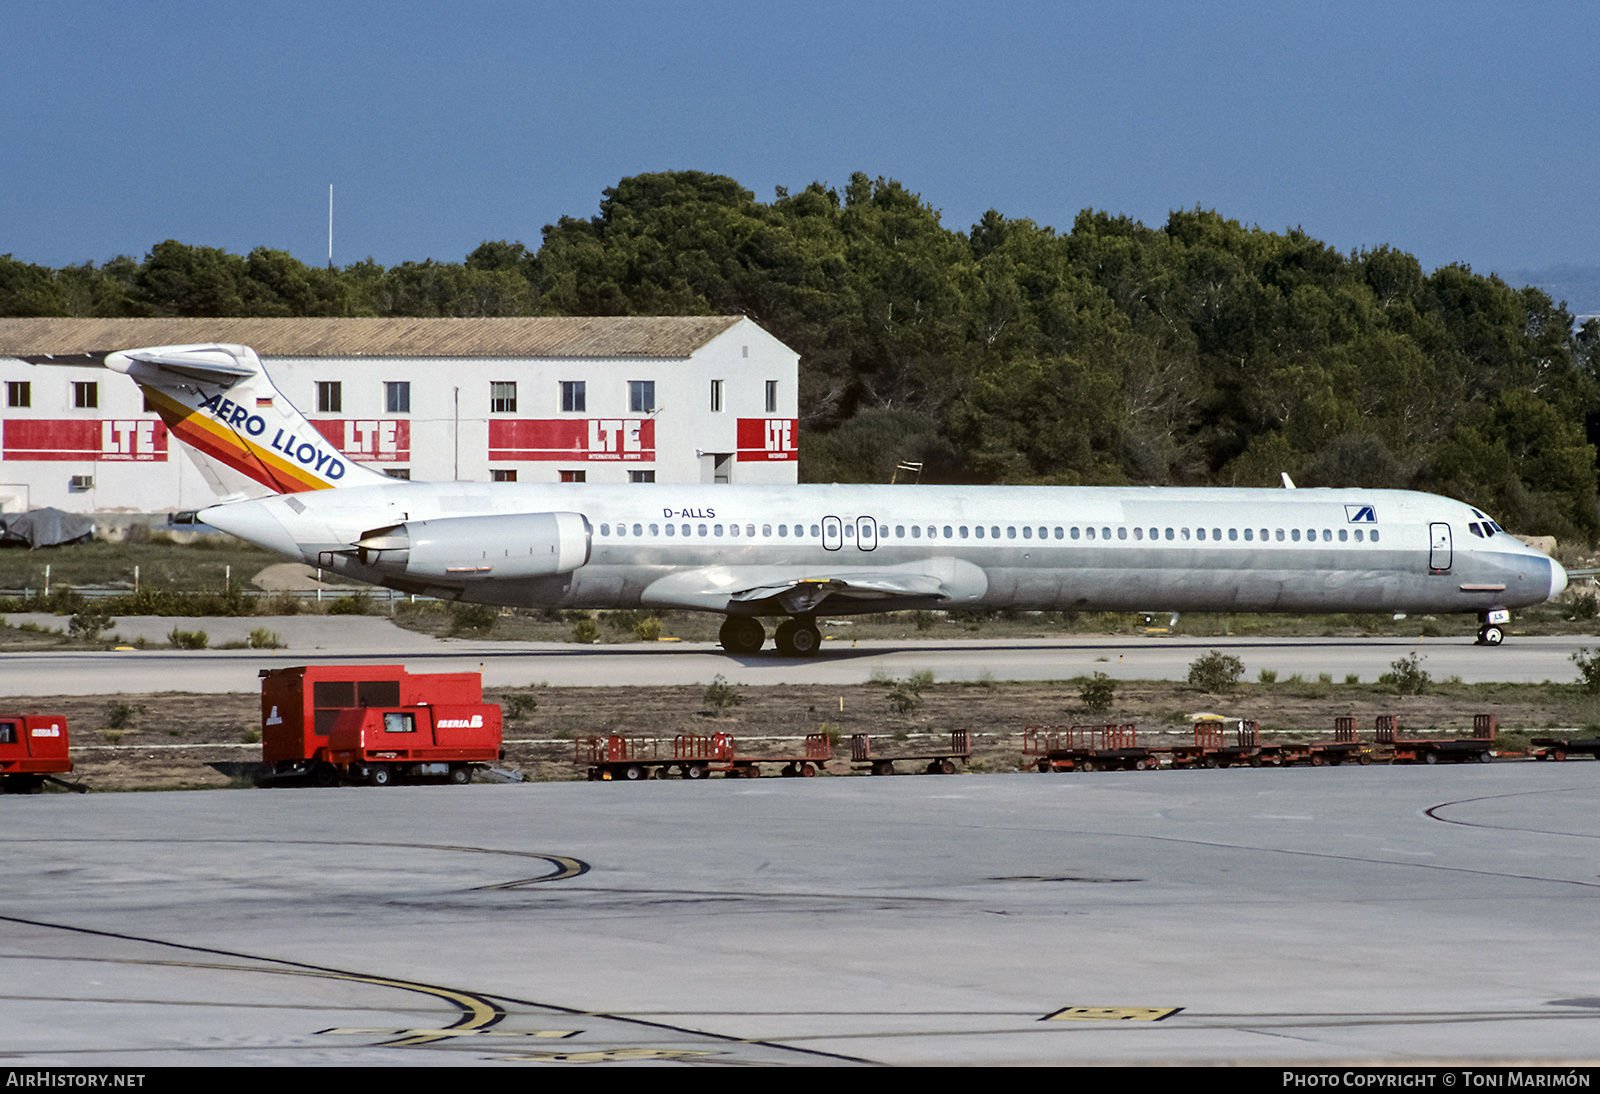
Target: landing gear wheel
[797,638]
[742,635]
[1490,635]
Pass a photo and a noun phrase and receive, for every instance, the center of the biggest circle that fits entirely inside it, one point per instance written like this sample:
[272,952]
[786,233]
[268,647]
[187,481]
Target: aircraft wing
[797,590]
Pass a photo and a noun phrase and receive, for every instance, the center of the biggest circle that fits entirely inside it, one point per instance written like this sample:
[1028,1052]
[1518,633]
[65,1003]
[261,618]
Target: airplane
[748,552]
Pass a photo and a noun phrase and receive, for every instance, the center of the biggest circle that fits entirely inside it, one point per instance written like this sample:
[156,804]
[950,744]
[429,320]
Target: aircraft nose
[254,522]
[1558,578]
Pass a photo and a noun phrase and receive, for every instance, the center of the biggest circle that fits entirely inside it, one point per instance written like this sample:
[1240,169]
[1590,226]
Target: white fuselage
[736,549]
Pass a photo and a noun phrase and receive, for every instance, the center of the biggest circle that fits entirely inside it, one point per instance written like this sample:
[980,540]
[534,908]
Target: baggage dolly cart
[1559,748]
[1089,748]
[939,762]
[1428,750]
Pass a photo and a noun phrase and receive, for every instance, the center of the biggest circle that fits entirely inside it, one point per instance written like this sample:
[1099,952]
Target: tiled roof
[599,336]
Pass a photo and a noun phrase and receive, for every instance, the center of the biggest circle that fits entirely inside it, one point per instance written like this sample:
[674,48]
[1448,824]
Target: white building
[632,399]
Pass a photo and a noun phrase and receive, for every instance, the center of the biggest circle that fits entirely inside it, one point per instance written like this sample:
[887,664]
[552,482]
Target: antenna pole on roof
[330,225]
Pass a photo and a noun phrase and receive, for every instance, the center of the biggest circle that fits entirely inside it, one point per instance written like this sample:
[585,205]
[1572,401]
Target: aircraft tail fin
[247,439]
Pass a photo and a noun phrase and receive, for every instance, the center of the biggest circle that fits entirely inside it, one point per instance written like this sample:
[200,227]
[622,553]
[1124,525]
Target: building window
[574,476]
[19,393]
[330,397]
[80,484]
[642,396]
[641,476]
[85,395]
[574,396]
[716,396]
[398,472]
[397,397]
[503,476]
[503,397]
[772,396]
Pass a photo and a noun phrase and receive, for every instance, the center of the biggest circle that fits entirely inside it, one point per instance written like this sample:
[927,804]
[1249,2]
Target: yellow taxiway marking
[602,1056]
[1111,1014]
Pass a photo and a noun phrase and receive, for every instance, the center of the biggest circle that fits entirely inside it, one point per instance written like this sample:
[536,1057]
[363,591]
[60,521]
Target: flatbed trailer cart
[1429,750]
[1560,748]
[692,756]
[940,761]
[33,750]
[619,756]
[1211,747]
[816,752]
[1089,748]
[1345,747]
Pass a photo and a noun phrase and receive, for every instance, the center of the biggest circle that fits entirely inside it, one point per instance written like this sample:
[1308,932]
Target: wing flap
[796,590]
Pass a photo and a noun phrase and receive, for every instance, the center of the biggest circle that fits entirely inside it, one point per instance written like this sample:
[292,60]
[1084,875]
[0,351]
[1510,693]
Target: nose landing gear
[1491,627]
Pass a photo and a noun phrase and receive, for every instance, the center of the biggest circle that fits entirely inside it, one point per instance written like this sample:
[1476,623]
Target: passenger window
[994,531]
[1294,534]
[605,529]
[979,531]
[1027,533]
[638,531]
[963,531]
[1374,535]
[766,531]
[716,530]
[1216,533]
[750,529]
[1343,535]
[1074,531]
[1122,533]
[1280,535]
[1170,533]
[1200,533]
[816,530]
[669,529]
[1358,535]
[1138,533]
[783,530]
[1184,532]
[702,529]
[1089,532]
[1248,535]
[654,531]
[947,532]
[1233,534]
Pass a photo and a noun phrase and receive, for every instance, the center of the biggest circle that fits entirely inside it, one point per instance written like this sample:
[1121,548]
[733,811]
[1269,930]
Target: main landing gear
[1491,627]
[743,635]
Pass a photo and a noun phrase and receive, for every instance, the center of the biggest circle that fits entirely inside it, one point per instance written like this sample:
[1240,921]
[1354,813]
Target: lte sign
[768,438]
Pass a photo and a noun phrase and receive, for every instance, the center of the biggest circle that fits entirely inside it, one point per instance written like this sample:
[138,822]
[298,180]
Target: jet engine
[455,548]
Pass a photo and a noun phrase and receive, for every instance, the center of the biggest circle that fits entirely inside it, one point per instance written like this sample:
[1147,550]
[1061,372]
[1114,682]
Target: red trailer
[32,748]
[300,705]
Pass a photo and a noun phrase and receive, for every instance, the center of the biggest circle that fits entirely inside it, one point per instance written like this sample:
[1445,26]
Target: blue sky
[1461,132]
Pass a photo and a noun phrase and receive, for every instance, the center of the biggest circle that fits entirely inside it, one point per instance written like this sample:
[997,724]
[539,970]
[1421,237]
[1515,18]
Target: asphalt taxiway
[361,640]
[1345,915]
